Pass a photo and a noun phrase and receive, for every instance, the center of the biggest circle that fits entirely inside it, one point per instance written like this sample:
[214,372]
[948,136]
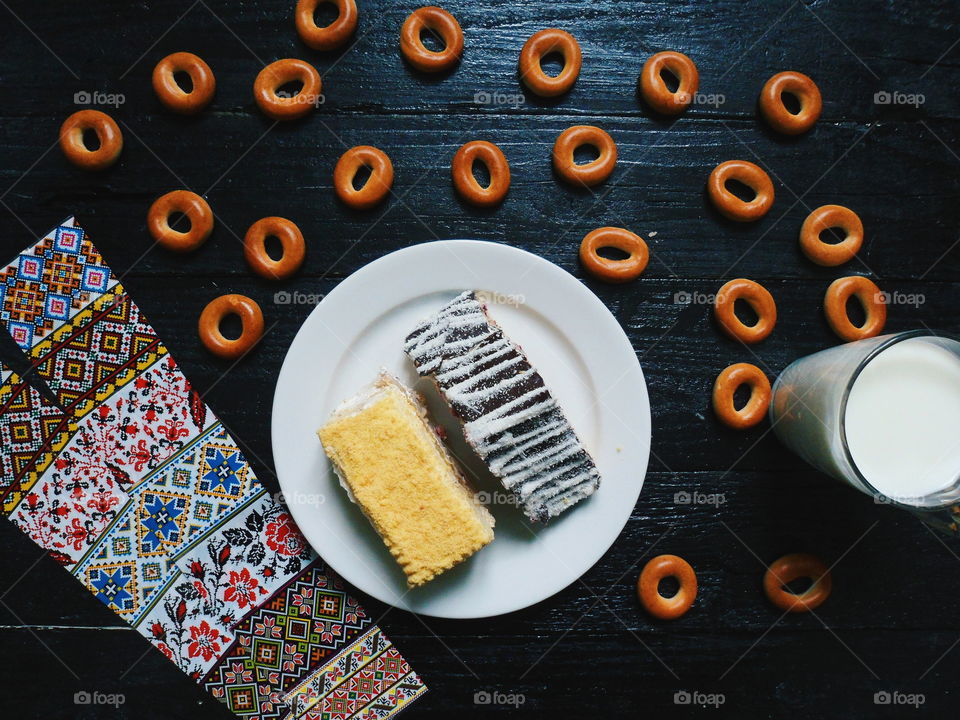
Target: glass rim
[890,340]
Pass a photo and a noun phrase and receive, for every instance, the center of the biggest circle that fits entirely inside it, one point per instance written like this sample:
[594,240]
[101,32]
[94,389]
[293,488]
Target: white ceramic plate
[573,340]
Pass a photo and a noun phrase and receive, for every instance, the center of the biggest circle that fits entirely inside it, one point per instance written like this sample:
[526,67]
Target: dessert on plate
[392,464]
[509,416]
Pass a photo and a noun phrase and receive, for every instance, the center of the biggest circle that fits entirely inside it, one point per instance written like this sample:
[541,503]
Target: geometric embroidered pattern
[165,516]
[201,485]
[33,431]
[143,575]
[49,282]
[306,622]
[99,350]
[160,522]
[131,483]
[226,471]
[378,689]
[233,681]
[114,585]
[367,675]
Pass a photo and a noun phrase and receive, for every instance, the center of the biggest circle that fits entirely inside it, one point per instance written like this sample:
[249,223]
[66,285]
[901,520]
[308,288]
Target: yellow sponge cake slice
[393,465]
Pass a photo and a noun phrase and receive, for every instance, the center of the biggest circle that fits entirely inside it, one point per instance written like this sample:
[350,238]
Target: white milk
[903,419]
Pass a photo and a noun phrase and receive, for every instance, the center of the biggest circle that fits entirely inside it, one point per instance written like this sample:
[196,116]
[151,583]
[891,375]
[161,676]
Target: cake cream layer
[395,468]
[509,416]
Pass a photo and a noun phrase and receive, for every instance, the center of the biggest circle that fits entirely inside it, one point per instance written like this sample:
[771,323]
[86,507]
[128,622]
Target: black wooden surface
[893,620]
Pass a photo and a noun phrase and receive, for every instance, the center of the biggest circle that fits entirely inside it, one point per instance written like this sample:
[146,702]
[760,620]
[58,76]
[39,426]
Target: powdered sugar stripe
[509,416]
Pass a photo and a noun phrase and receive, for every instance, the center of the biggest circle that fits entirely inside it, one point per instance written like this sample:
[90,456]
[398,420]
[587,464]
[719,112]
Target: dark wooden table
[893,620]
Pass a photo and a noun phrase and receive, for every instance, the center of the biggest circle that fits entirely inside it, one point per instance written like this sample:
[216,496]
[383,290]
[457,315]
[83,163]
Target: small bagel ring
[466,183]
[776,113]
[538,46]
[614,271]
[173,96]
[728,204]
[655,91]
[823,218]
[870,297]
[593,172]
[419,55]
[727,383]
[331,36]
[291,239]
[789,568]
[251,318]
[280,73]
[648,587]
[190,204]
[758,297]
[376,187]
[108,134]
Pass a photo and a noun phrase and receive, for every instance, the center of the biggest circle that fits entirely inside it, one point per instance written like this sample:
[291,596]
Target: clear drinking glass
[808,412]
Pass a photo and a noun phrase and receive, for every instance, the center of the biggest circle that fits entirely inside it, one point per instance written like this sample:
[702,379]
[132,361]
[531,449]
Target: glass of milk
[883,415]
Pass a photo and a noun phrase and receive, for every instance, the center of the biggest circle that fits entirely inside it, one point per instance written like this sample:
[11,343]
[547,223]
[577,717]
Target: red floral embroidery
[76,534]
[102,501]
[242,588]
[136,432]
[141,456]
[173,430]
[284,537]
[204,641]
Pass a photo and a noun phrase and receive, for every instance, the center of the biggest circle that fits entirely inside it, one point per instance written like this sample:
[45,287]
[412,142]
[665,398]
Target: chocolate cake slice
[509,416]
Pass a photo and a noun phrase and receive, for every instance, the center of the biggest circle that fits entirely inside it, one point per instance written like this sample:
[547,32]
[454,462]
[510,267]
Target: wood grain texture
[589,650]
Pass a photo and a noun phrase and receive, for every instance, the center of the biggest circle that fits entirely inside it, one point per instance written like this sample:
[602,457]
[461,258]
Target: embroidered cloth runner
[130,481]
